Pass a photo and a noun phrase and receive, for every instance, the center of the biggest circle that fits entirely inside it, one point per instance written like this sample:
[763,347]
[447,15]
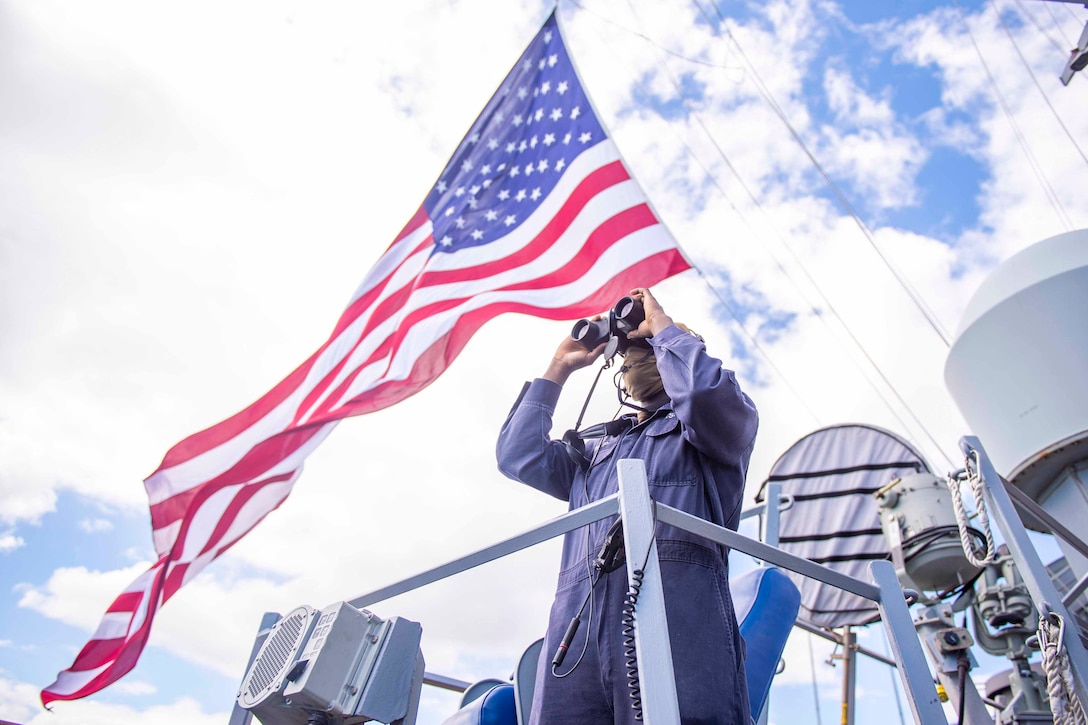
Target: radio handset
[609,558]
[611,555]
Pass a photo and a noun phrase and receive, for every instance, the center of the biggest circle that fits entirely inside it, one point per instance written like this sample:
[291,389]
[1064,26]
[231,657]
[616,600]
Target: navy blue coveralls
[696,450]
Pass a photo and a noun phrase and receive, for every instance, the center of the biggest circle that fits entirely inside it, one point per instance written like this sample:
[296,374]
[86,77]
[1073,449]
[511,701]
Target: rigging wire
[1032,161]
[751,338]
[1057,24]
[1027,66]
[829,306]
[819,292]
[822,296]
[835,190]
[1042,31]
[713,290]
[654,43]
[1073,14]
[816,312]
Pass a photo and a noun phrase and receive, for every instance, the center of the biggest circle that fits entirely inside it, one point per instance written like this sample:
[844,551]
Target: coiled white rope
[1064,703]
[970,546]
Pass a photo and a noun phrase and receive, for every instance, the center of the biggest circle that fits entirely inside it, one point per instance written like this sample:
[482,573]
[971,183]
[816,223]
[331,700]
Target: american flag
[535,213]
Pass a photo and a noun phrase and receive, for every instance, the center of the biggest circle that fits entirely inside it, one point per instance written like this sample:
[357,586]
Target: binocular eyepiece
[624,317]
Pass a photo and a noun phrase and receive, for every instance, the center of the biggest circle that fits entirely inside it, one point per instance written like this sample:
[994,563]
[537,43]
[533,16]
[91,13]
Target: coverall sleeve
[718,417]
[525,451]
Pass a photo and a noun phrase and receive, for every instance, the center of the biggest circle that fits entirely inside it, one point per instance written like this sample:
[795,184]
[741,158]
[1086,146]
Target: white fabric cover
[832,474]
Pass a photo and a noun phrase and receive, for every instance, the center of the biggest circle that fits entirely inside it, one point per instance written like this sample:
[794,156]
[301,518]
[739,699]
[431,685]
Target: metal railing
[657,684]
[639,513]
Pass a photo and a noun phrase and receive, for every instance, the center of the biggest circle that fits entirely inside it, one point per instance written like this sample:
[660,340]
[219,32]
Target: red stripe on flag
[126,654]
[612,230]
[603,178]
[98,652]
[360,306]
[231,513]
[604,236]
[443,351]
[126,602]
[224,431]
[180,572]
[253,465]
[209,438]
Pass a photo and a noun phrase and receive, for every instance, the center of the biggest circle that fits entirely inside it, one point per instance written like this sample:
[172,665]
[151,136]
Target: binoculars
[624,317]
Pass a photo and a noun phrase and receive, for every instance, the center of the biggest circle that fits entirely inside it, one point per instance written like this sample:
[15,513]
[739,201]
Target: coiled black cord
[630,655]
[627,620]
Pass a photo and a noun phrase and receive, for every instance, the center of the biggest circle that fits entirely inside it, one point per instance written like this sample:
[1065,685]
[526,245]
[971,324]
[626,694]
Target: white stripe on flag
[69,681]
[113,625]
[210,513]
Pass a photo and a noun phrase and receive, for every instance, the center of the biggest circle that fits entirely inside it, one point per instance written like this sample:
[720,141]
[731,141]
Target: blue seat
[766,602]
[494,707]
[477,689]
[525,680]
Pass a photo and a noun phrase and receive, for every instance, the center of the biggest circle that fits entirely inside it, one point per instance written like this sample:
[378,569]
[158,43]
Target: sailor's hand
[571,356]
[656,319]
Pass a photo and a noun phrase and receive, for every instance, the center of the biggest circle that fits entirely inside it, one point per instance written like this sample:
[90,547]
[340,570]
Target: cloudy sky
[190,192]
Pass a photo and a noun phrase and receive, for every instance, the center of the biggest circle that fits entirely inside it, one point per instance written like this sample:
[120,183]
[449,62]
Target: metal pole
[774,513]
[948,645]
[849,675]
[701,527]
[238,714]
[1079,588]
[656,677]
[1031,568]
[906,650]
[771,519]
[832,637]
[756,510]
[1026,506]
[445,683]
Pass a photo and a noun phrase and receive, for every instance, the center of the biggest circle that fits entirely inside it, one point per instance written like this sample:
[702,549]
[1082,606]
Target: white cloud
[78,596]
[19,701]
[1015,207]
[10,542]
[26,494]
[183,711]
[851,105]
[868,145]
[806,658]
[135,687]
[95,526]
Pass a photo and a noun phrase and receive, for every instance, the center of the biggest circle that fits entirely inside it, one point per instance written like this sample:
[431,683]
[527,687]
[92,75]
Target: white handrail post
[773,514]
[906,649]
[657,680]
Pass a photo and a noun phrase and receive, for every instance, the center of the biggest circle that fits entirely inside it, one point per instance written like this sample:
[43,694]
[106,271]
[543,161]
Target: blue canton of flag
[512,157]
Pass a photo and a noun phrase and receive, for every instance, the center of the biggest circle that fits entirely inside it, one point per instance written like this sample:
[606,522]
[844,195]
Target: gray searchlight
[335,666]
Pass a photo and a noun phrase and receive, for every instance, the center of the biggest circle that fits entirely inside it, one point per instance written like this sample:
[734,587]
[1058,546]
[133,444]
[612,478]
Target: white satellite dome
[1018,368]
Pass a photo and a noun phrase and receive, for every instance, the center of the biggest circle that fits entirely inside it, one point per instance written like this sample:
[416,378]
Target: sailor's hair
[690,331]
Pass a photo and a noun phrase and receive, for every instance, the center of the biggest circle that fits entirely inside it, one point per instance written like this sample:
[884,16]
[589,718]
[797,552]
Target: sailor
[694,432]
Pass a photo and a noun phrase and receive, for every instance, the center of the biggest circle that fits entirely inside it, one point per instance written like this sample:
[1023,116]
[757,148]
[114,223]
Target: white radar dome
[1018,368]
